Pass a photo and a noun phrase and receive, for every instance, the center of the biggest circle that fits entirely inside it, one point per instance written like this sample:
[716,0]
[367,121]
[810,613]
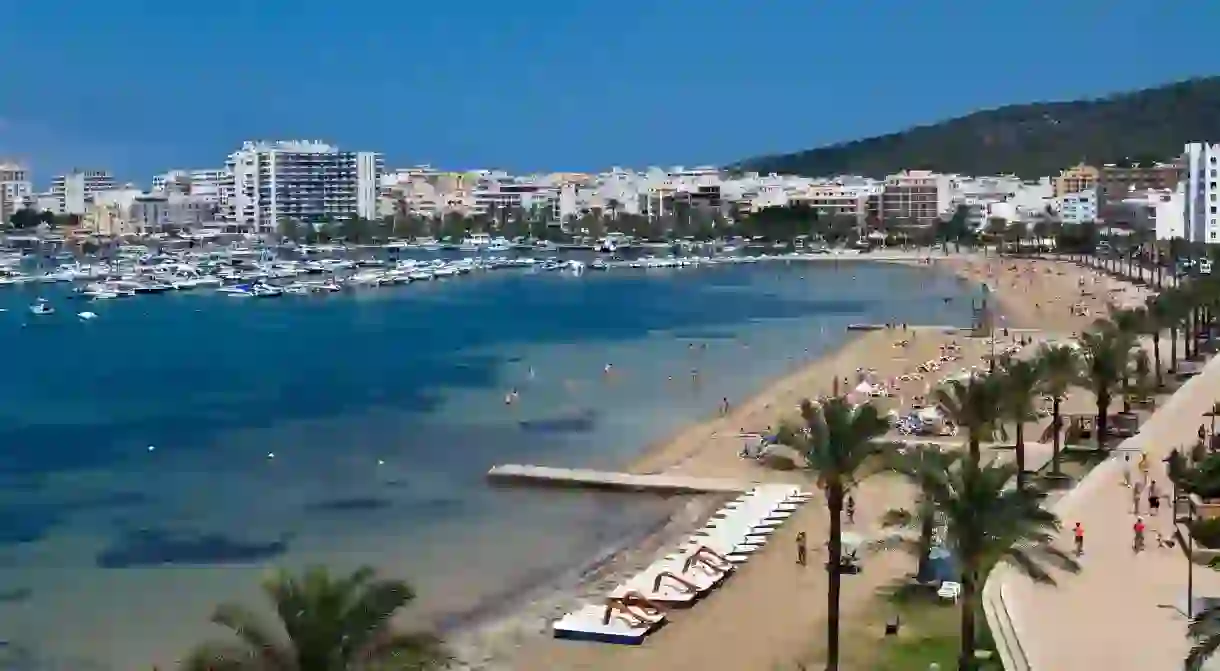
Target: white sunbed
[729,541]
[622,623]
[666,582]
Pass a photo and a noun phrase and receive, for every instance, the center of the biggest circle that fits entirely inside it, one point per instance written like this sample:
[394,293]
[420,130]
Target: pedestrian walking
[851,509]
[1136,490]
[1078,532]
[1126,470]
[1154,499]
[801,550]
[1144,467]
[1137,541]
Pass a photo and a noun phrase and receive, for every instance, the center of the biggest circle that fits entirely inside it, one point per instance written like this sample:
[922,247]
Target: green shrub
[1206,532]
[1204,478]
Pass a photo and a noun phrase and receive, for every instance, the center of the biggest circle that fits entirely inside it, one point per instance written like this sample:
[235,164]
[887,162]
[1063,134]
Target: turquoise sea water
[139,490]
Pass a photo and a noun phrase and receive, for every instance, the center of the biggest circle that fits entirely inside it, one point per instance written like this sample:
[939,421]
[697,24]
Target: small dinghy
[40,307]
[86,315]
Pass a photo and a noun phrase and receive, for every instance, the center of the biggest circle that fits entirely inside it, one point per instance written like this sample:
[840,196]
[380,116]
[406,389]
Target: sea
[167,455]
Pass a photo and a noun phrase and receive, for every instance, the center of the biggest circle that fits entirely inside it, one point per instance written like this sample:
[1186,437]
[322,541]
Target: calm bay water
[139,488]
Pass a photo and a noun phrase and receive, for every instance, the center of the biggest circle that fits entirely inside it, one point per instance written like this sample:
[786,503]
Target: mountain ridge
[1027,139]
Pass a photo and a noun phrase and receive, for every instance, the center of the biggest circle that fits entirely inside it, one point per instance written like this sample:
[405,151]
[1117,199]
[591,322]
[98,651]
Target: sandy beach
[771,613]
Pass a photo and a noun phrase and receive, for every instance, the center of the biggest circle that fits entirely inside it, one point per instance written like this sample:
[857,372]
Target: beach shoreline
[495,636]
[705,447]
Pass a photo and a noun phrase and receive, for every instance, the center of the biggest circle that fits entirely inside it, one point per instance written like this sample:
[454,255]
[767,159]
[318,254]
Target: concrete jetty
[591,479]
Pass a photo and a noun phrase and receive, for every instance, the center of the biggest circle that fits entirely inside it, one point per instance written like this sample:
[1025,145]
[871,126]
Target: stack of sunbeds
[635,608]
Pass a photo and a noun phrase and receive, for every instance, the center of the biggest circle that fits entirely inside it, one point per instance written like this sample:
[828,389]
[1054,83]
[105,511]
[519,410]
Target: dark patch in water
[27,523]
[582,422]
[16,595]
[148,547]
[515,359]
[350,505]
[704,335]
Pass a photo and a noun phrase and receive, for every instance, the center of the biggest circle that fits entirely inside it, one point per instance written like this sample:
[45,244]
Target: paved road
[1124,612]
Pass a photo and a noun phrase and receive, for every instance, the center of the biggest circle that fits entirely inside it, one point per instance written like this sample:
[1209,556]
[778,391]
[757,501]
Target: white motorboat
[40,307]
[475,242]
[499,244]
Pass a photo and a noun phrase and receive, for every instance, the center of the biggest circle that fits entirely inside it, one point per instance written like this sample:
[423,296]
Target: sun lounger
[622,621]
[673,581]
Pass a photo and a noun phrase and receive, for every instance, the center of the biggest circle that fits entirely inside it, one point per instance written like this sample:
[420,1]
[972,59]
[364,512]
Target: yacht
[499,244]
[475,242]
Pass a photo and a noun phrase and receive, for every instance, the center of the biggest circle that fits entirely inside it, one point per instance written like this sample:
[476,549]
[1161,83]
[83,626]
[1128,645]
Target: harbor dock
[591,479]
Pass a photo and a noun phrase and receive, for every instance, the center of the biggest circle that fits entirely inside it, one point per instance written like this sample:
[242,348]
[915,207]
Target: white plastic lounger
[623,623]
[666,583]
[723,543]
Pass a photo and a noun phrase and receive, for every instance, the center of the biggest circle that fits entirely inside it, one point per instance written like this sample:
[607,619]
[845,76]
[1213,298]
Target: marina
[244,272]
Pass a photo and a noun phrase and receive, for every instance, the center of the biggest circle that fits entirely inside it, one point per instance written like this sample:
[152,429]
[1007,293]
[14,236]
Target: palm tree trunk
[1173,350]
[926,529]
[1056,440]
[834,506]
[1156,356]
[1020,455]
[1103,412]
[965,660]
[976,452]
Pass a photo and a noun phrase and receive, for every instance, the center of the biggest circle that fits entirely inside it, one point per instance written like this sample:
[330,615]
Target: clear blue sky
[145,85]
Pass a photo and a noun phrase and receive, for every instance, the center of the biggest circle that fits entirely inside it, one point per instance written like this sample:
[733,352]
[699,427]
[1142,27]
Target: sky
[144,86]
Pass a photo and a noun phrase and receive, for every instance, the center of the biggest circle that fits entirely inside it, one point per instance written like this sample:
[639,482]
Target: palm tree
[1159,317]
[1021,386]
[973,403]
[839,442]
[986,520]
[329,624]
[1105,358]
[915,464]
[1060,366]
[1204,630]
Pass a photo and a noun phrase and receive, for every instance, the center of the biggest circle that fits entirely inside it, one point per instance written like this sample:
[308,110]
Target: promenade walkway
[1124,611]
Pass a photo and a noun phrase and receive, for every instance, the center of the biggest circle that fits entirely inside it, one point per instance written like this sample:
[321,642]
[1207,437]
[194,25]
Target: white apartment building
[1201,192]
[918,195]
[838,200]
[15,187]
[1077,208]
[1156,210]
[209,185]
[74,191]
[306,181]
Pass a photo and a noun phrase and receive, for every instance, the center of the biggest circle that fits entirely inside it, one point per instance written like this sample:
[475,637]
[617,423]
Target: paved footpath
[1124,611]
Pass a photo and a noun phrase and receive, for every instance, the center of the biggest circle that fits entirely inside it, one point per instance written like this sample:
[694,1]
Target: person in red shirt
[1078,531]
[1138,542]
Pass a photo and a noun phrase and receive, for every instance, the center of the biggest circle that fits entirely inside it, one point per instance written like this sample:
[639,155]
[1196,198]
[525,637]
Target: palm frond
[260,641]
[405,651]
[221,656]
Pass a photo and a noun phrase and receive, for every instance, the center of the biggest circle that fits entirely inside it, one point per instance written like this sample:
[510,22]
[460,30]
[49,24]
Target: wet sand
[772,611]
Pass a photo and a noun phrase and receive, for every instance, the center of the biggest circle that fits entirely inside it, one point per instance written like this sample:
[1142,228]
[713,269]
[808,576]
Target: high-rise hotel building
[306,181]
[1201,187]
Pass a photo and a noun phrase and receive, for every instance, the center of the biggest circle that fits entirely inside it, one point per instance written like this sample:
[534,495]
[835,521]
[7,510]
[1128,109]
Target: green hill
[1028,140]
